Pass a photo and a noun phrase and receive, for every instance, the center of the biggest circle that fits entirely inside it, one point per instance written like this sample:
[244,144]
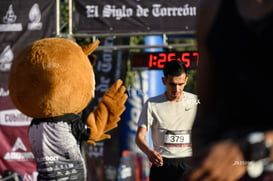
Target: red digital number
[171,56]
[161,60]
[185,57]
[151,58]
[196,54]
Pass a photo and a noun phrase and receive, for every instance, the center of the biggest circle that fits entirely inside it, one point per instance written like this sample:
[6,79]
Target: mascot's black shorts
[57,152]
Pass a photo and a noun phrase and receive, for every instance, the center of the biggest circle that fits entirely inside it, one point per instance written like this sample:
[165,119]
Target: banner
[127,16]
[21,22]
[24,22]
[103,159]
[137,95]
[133,167]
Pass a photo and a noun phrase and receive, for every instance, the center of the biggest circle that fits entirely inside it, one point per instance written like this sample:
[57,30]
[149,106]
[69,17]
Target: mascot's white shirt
[170,124]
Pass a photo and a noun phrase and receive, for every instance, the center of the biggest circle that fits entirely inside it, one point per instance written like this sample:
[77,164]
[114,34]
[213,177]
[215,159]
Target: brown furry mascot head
[52,77]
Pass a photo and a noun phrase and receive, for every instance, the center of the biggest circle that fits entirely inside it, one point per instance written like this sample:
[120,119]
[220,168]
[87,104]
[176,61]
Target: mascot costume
[52,81]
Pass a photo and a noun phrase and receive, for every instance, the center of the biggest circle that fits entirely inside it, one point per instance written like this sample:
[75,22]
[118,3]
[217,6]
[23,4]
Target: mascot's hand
[107,114]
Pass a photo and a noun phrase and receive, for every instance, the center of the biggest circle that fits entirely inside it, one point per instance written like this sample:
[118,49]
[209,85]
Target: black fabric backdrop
[123,16]
[21,22]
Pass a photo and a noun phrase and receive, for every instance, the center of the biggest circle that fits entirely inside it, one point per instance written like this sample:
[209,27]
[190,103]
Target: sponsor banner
[21,22]
[137,95]
[109,67]
[15,152]
[127,16]
[133,167]
[102,159]
[24,22]
[127,167]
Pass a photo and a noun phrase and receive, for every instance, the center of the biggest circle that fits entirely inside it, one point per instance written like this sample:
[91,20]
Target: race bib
[177,139]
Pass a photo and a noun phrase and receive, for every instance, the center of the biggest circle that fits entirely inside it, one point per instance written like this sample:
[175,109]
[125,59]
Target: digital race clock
[156,60]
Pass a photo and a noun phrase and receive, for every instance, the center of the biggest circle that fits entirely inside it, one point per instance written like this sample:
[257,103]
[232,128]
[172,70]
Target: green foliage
[64,16]
[191,84]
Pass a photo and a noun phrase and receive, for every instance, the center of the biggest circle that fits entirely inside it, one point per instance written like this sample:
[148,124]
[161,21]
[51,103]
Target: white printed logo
[6,58]
[19,145]
[9,21]
[13,117]
[17,154]
[35,18]
[10,17]
[125,172]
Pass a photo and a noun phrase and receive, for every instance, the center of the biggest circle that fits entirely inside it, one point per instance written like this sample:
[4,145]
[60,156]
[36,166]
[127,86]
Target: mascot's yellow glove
[107,113]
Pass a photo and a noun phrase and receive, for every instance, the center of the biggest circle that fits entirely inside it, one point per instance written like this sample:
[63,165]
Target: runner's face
[175,86]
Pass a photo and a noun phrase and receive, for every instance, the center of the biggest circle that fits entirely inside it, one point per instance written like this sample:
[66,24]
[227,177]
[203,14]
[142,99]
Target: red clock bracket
[156,60]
